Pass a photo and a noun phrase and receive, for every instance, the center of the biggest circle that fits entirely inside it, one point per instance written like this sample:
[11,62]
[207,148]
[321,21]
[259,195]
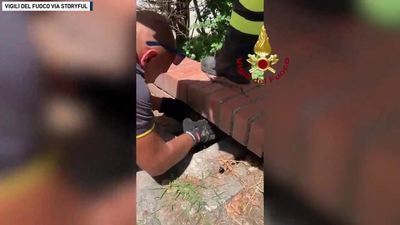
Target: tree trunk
[199,16]
[183,21]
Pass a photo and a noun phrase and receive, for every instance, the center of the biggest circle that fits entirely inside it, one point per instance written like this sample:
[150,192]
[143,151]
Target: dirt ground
[220,184]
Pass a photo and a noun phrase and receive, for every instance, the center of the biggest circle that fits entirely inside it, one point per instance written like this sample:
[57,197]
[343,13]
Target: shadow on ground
[219,183]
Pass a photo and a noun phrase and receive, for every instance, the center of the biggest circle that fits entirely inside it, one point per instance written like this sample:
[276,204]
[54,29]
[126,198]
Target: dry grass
[242,205]
[246,207]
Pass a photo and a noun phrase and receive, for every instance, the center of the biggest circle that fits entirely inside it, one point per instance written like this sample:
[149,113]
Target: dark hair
[159,24]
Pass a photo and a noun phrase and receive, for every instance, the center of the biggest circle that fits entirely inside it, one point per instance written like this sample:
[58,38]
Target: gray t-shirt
[144,113]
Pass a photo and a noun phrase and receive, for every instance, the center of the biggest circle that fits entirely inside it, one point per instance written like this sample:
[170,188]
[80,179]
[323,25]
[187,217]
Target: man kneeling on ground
[155,52]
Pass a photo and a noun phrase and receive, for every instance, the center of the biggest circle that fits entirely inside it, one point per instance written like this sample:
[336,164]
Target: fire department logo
[262,60]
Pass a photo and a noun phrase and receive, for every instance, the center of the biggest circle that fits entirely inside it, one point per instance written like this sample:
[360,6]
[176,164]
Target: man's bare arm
[156,156]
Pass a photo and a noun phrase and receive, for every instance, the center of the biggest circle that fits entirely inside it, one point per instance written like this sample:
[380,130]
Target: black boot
[231,60]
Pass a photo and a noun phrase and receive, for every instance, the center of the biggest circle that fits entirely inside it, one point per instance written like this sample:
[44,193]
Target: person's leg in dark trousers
[245,25]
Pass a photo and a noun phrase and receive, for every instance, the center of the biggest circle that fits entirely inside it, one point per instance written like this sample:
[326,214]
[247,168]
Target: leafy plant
[206,35]
[211,25]
[209,43]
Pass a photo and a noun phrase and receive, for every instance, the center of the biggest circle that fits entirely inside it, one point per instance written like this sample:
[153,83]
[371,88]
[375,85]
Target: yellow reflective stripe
[147,132]
[245,26]
[253,5]
[26,177]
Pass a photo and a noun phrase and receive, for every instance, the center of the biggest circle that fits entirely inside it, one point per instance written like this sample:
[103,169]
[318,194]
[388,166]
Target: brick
[256,137]
[186,62]
[243,87]
[175,83]
[167,84]
[242,119]
[181,75]
[197,95]
[214,100]
[189,84]
[182,89]
[186,71]
[156,91]
[228,106]
[205,99]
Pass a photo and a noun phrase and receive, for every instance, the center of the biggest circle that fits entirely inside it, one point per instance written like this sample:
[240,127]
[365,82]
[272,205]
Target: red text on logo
[241,70]
[281,73]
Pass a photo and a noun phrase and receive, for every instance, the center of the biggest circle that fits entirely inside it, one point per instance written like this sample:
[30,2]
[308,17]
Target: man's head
[151,26]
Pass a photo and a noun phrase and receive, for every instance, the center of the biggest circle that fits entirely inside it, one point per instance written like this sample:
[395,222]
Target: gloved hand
[200,130]
[175,109]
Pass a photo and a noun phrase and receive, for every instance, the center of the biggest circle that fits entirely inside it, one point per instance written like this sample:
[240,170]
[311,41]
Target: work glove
[200,130]
[175,109]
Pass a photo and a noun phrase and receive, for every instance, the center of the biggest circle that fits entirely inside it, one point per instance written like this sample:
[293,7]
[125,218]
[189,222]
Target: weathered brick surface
[243,118]
[199,95]
[215,100]
[154,90]
[256,137]
[184,64]
[175,81]
[232,105]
